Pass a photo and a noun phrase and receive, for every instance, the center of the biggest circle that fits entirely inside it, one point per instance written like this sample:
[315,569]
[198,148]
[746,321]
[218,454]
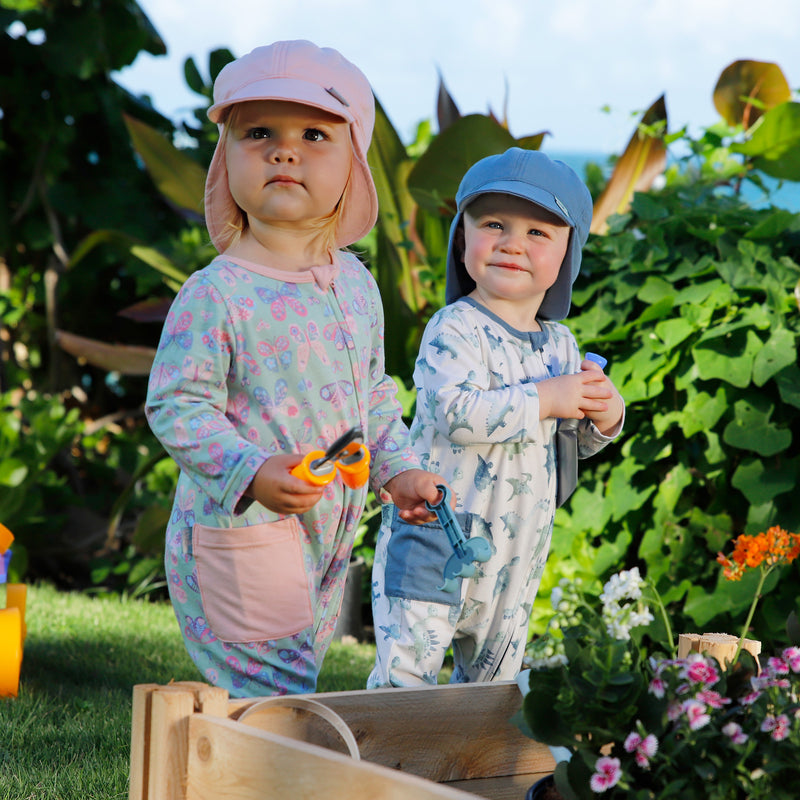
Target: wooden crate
[189,743]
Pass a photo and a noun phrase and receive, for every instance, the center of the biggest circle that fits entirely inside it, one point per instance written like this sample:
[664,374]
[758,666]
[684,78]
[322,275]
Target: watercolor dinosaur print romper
[477,425]
[254,362]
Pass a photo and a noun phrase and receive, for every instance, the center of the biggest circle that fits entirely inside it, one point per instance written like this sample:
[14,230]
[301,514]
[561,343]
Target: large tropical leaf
[774,146]
[179,178]
[125,359]
[747,89]
[446,109]
[393,270]
[434,180]
[644,158]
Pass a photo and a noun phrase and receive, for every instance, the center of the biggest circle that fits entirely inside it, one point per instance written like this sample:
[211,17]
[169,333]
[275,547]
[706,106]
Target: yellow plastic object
[10,651]
[354,466]
[308,471]
[6,538]
[16,597]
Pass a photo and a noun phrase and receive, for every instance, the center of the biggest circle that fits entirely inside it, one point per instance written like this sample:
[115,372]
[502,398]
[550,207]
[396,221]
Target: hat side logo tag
[333,93]
[562,207]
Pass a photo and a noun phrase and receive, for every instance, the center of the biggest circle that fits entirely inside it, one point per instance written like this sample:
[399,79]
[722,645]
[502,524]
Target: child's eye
[536,232]
[314,135]
[494,225]
[258,133]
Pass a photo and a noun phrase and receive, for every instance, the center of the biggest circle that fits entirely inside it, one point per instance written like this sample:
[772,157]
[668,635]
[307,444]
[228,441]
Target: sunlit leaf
[778,352]
[751,429]
[434,180]
[389,164]
[12,472]
[176,175]
[774,146]
[743,82]
[125,359]
[728,358]
[760,484]
[644,159]
[532,142]
[160,262]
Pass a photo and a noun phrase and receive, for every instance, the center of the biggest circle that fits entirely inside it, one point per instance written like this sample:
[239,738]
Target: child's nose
[282,152]
[511,242]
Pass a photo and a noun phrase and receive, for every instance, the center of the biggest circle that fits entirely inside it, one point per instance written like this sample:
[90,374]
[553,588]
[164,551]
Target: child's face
[513,250]
[287,163]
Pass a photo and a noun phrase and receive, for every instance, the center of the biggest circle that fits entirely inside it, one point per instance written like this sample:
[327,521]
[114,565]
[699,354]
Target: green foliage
[690,296]
[68,169]
[33,430]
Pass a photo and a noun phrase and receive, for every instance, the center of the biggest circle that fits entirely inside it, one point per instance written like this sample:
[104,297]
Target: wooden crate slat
[230,760]
[442,733]
[508,787]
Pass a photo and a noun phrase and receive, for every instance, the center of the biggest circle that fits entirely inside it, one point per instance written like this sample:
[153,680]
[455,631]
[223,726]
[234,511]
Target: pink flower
[674,710]
[657,687]
[735,733]
[696,714]
[792,657]
[701,671]
[777,727]
[644,748]
[607,774]
[712,698]
[778,666]
[750,698]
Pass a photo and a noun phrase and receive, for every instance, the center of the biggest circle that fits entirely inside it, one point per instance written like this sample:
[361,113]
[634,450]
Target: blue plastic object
[465,551]
[597,359]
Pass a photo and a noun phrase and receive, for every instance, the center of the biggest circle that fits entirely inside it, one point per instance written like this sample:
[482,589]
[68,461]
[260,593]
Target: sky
[583,70]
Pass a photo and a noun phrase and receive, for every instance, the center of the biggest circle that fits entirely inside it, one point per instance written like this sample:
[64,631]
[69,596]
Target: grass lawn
[67,735]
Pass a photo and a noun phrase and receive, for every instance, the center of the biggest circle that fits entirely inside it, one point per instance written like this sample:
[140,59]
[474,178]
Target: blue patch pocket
[417,555]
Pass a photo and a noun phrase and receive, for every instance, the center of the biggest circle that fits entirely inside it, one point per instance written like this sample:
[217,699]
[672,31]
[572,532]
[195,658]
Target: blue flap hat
[535,177]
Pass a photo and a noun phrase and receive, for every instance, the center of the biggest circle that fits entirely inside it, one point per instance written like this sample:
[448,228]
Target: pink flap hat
[300,72]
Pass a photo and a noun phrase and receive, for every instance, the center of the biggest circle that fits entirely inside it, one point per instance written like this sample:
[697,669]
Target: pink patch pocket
[252,580]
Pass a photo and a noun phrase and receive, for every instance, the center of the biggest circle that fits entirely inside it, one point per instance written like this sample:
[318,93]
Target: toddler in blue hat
[497,373]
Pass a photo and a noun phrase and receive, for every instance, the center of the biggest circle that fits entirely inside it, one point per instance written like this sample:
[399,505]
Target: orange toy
[12,623]
[346,455]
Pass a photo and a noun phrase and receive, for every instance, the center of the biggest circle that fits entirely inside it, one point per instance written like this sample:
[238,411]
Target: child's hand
[278,490]
[588,393]
[608,419]
[410,490]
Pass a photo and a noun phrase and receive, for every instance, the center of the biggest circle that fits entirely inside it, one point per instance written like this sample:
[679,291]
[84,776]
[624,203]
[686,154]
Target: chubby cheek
[475,250]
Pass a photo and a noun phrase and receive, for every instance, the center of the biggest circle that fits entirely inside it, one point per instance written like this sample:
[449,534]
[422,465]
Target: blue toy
[459,565]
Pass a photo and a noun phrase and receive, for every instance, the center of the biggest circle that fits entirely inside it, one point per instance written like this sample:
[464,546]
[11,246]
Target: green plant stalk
[752,611]
[664,616]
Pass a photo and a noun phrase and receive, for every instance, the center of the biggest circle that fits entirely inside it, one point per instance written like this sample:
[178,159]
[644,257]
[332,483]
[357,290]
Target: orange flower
[770,549]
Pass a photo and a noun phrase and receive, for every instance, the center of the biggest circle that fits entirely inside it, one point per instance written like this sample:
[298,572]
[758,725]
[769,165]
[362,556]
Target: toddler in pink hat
[273,350]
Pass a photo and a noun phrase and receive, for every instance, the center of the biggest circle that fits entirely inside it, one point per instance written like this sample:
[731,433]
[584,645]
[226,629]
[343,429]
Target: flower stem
[756,598]
[664,617]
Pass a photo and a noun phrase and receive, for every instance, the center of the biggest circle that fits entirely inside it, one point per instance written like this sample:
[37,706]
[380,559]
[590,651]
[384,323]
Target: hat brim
[291,90]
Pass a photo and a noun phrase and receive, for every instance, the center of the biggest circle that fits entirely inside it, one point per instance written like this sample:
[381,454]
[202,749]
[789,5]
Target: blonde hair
[326,226]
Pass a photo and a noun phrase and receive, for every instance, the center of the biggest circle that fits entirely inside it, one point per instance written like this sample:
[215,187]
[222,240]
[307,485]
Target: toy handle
[353,464]
[314,469]
[447,519]
[600,360]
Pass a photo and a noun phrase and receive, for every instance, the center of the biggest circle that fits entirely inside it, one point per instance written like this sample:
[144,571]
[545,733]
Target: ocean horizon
[782,194]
